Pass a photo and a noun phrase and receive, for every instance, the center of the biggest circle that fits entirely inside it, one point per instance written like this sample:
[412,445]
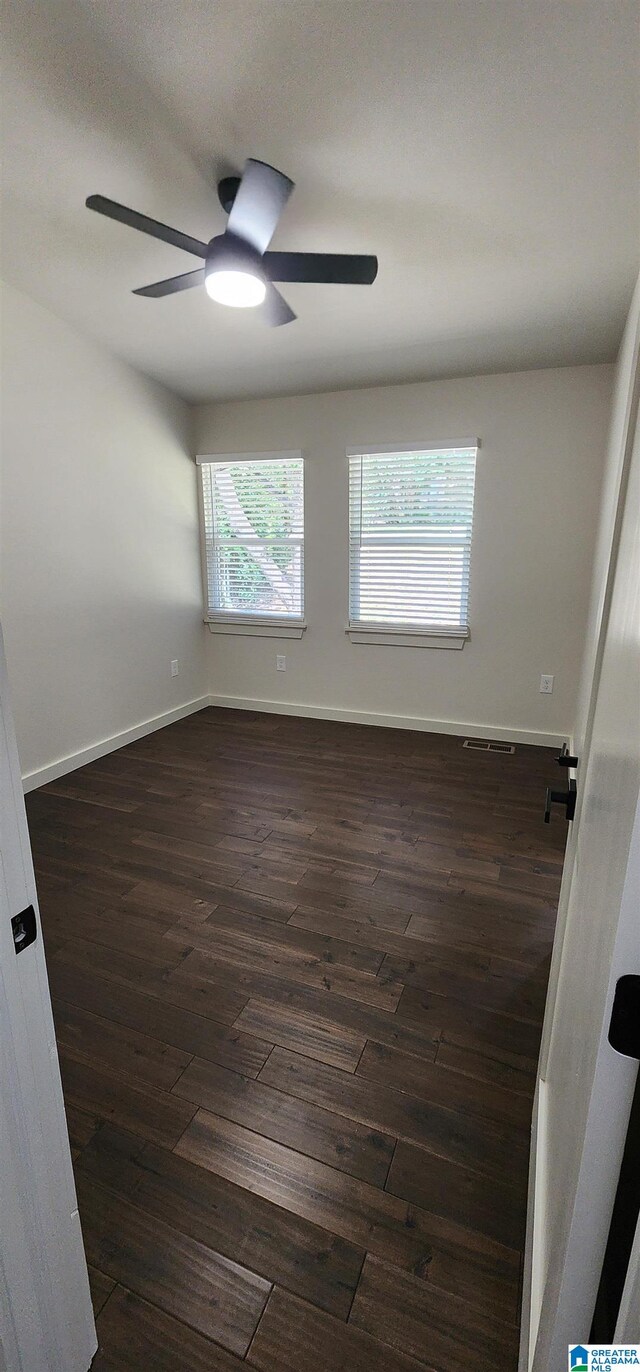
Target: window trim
[395,636]
[251,624]
[408,635]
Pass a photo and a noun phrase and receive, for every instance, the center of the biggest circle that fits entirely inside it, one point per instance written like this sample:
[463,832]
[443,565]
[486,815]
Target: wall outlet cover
[281,662]
[174,667]
[546,685]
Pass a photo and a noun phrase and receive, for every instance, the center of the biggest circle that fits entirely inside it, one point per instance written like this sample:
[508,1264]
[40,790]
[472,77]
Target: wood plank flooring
[298,971]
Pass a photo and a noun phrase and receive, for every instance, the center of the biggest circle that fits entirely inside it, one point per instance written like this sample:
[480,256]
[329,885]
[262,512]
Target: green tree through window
[254,524]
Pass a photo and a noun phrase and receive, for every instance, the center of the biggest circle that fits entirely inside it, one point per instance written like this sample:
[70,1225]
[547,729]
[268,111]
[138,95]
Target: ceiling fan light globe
[229,286]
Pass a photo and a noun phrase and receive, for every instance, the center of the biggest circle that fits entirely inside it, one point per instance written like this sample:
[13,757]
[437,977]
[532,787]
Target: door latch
[624,1027]
[24,929]
[566,798]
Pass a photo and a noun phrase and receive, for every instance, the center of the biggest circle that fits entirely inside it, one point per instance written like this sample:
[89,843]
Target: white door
[46,1321]
[585,1087]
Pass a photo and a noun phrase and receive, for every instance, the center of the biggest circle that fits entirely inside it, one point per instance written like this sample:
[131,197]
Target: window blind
[253,528]
[410,521]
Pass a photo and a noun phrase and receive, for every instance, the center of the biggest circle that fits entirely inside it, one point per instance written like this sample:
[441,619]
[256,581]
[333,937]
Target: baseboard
[430,726]
[42,775]
[109,745]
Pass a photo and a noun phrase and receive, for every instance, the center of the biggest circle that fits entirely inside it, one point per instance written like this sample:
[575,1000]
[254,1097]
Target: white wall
[100,584]
[543,437]
[100,580]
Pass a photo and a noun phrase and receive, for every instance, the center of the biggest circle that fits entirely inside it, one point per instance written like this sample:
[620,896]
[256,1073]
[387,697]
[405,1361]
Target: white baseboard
[108,745]
[53,770]
[430,726]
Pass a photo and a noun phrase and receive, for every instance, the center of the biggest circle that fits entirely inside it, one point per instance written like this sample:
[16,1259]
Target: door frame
[45,1304]
[628,381]
[594,1182]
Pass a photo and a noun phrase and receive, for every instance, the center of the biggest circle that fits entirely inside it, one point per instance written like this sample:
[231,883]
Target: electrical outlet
[281,662]
[174,667]
[546,685]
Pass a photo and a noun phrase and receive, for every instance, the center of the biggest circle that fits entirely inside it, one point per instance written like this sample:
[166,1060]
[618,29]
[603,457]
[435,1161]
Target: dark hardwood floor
[298,971]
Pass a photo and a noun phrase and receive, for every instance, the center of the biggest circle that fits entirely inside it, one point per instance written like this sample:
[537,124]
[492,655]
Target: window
[253,536]
[410,523]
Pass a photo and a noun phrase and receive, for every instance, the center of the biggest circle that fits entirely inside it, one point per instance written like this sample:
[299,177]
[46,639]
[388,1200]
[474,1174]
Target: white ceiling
[486,150]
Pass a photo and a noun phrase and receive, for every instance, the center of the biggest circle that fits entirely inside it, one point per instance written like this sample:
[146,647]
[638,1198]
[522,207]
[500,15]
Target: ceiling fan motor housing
[229,253]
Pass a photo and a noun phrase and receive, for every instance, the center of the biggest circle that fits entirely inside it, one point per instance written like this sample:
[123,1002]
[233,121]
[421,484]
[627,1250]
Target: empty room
[320,686]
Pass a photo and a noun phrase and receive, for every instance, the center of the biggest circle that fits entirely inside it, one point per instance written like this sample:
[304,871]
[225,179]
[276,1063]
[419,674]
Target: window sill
[408,638]
[255,628]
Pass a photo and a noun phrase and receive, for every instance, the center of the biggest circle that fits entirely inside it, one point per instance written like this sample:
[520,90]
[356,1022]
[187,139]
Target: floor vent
[483,746]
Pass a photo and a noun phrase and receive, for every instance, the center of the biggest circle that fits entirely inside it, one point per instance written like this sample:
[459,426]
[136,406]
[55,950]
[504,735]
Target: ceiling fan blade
[275,310]
[262,195]
[142,222]
[173,284]
[323,268]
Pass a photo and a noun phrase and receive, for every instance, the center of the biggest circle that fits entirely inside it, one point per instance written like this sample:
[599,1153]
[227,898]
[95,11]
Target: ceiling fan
[238,269]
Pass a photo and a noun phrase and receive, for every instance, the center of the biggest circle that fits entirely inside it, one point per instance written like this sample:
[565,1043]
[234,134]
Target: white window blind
[253,529]
[411,518]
